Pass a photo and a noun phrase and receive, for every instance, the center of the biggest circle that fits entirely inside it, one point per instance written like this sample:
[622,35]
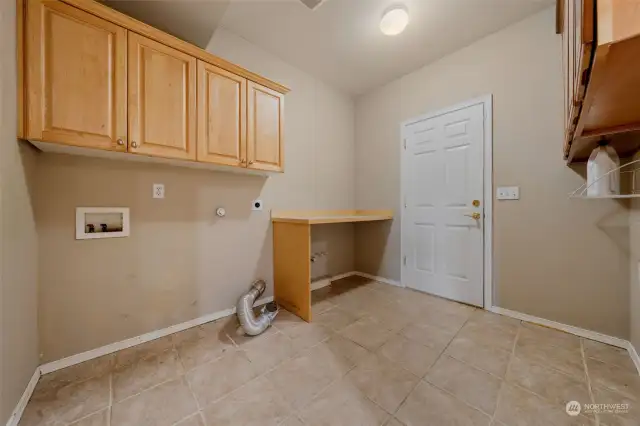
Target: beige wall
[18,241]
[181,262]
[555,258]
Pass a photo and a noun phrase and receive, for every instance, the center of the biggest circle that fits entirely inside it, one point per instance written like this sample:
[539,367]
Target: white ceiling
[340,42]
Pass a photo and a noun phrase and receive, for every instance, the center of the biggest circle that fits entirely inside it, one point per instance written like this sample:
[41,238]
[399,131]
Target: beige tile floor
[374,355]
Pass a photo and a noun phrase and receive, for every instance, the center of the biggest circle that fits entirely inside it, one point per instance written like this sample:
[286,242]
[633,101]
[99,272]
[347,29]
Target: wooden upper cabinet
[92,77]
[265,128]
[162,100]
[76,77]
[602,76]
[222,108]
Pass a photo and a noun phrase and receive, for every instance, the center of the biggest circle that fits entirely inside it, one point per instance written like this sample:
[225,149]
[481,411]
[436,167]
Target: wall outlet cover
[158,190]
[257,205]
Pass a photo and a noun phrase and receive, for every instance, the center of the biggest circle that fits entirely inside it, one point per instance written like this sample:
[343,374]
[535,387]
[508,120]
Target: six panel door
[443,234]
[222,107]
[162,100]
[265,128]
[76,77]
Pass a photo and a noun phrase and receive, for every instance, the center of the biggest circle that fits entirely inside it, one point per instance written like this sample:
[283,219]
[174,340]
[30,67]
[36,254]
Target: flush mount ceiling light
[394,20]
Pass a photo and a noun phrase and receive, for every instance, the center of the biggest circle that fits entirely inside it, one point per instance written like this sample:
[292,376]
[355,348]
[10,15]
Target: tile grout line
[108,407]
[110,398]
[297,411]
[586,372]
[265,372]
[188,416]
[434,363]
[183,376]
[513,354]
[529,390]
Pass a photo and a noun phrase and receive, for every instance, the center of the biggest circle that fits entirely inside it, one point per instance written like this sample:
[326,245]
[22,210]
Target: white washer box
[102,222]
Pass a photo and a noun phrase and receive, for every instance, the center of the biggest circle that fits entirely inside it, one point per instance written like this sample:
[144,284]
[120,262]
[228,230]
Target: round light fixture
[394,20]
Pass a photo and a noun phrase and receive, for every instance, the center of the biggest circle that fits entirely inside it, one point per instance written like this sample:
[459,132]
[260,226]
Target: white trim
[588,334]
[488,200]
[147,337]
[634,355]
[487,102]
[325,282]
[380,279]
[15,417]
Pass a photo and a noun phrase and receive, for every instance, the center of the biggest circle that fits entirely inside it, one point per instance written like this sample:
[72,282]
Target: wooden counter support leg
[292,268]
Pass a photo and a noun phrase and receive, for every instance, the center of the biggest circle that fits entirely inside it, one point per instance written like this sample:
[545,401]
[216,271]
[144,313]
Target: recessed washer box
[102,222]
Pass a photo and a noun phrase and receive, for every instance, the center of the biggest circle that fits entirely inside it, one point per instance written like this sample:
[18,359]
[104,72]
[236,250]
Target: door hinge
[405,143]
[404,260]
[404,202]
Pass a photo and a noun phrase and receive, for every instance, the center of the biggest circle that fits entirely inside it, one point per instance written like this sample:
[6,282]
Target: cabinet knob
[120,142]
[251,162]
[134,144]
[243,161]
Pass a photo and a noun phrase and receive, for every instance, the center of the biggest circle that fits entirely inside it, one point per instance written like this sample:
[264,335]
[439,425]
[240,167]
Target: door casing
[487,102]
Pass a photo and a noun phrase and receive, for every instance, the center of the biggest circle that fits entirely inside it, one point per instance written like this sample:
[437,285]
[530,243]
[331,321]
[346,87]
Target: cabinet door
[222,106]
[265,128]
[76,65]
[162,100]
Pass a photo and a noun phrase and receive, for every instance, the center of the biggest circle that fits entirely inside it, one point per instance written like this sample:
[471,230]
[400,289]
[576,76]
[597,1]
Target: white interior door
[443,186]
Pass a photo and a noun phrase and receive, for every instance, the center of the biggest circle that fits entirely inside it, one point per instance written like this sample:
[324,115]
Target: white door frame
[487,102]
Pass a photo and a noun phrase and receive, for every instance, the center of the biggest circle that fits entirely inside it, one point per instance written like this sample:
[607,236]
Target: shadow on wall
[616,223]
[373,242]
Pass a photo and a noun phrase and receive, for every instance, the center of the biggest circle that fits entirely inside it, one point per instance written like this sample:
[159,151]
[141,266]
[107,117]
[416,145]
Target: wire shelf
[635,192]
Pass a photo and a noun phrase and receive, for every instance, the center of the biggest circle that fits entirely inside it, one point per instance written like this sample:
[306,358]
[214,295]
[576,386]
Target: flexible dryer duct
[251,324]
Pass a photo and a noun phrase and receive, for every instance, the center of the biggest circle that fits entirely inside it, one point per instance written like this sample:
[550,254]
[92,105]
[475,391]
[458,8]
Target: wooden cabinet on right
[601,59]
[265,128]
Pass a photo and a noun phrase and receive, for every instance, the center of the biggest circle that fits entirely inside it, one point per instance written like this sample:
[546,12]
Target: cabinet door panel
[76,81]
[265,124]
[162,100]
[222,105]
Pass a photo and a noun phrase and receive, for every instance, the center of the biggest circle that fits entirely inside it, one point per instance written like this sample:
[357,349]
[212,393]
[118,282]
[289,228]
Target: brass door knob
[134,144]
[120,142]
[475,215]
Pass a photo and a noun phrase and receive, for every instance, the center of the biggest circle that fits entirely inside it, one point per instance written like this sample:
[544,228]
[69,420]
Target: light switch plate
[508,193]
[158,190]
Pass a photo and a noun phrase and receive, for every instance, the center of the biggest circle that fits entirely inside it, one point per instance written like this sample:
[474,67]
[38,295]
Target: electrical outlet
[158,190]
[508,193]
[256,205]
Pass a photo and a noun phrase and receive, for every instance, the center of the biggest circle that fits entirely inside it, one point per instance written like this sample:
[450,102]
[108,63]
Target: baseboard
[315,285]
[147,337]
[588,334]
[379,279]
[634,356]
[124,344]
[24,399]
